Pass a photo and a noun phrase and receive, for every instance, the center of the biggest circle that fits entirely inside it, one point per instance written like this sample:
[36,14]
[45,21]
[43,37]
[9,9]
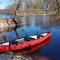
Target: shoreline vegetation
[28,13]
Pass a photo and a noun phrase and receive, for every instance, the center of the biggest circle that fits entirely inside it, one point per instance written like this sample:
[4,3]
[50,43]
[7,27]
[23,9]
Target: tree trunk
[15,16]
[57,6]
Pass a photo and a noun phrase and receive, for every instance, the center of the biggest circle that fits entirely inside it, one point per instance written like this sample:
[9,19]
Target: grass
[36,11]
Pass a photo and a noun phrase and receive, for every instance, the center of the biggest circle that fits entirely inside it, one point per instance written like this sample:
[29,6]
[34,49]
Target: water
[5,16]
[37,25]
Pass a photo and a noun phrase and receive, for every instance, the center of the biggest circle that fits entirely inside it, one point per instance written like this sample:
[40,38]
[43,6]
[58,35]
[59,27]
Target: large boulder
[9,24]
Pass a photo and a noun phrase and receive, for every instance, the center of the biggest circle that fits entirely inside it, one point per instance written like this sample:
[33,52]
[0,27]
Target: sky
[5,3]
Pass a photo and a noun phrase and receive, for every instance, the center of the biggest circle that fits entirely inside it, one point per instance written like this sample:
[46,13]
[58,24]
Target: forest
[33,7]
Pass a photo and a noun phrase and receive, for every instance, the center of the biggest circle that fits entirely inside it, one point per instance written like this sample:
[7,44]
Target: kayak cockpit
[29,38]
[36,37]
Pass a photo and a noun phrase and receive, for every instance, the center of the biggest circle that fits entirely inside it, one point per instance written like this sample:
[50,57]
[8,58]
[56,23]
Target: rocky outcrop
[8,24]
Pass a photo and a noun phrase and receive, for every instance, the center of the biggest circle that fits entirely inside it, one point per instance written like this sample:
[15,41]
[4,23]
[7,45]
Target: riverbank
[35,12]
[28,12]
[9,24]
[20,57]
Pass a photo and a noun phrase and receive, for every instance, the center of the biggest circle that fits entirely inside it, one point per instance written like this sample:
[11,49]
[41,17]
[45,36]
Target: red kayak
[24,43]
[32,48]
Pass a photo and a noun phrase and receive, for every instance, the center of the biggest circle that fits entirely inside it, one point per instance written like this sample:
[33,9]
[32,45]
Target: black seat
[13,42]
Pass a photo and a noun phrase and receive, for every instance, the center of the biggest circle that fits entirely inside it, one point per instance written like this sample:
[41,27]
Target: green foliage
[2,38]
[37,4]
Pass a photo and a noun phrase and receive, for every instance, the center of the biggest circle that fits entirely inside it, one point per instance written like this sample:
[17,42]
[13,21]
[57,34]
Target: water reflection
[43,21]
[40,20]
[54,20]
[26,20]
[47,21]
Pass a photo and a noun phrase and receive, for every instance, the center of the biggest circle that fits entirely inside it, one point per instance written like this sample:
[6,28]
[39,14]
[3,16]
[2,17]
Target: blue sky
[5,3]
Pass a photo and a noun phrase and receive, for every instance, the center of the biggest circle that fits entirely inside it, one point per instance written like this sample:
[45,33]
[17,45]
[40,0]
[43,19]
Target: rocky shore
[9,24]
[20,57]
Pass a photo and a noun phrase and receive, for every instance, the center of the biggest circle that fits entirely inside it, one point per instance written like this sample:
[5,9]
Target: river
[37,25]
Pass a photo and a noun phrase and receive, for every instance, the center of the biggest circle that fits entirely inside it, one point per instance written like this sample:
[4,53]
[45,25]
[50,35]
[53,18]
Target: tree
[18,1]
[14,7]
[58,5]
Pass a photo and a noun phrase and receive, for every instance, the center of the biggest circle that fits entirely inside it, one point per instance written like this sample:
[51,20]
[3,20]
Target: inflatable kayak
[24,43]
[32,48]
